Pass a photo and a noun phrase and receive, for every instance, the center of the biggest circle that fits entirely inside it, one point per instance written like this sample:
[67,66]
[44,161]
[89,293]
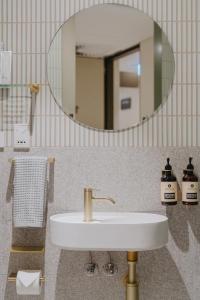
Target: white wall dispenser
[5,67]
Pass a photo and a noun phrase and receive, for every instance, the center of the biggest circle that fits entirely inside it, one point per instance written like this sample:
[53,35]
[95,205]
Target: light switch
[21,136]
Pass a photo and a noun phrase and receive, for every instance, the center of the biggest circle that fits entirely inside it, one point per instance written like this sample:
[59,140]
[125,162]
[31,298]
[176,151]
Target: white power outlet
[21,136]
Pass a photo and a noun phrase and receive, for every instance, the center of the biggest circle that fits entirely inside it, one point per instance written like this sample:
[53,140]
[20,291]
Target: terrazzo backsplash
[126,166]
[132,178]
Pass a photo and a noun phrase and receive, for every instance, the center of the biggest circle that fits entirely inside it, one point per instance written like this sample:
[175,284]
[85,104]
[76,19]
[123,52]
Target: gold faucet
[88,200]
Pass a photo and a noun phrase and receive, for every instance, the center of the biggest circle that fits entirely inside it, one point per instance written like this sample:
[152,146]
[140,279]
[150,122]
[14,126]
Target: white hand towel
[28,283]
[29,201]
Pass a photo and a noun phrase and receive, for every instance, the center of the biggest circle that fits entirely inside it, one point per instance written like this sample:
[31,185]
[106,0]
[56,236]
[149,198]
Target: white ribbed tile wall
[27,27]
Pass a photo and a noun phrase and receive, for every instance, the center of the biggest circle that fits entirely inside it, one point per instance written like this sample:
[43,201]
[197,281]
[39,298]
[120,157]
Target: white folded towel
[28,282]
[29,201]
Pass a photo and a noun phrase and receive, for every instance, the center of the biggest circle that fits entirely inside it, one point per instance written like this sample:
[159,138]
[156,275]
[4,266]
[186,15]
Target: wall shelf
[34,87]
[6,86]
[27,249]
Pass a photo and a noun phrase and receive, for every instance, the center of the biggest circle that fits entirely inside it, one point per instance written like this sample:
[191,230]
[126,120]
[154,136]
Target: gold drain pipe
[131,282]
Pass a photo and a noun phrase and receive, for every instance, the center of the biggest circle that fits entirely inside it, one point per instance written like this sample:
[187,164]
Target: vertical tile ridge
[150,133]
[197,75]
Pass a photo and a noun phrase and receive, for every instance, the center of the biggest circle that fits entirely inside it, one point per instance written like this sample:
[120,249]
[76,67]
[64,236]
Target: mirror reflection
[110,67]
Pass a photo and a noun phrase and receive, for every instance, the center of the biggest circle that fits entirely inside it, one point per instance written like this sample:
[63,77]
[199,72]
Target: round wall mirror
[110,67]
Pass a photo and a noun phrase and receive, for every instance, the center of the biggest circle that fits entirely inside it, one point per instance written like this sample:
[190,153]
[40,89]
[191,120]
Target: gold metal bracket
[132,256]
[34,88]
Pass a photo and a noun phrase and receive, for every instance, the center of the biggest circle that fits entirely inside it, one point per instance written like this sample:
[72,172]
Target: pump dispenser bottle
[190,188]
[169,187]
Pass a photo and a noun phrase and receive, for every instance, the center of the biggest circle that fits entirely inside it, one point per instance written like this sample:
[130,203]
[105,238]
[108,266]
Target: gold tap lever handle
[105,199]
[101,198]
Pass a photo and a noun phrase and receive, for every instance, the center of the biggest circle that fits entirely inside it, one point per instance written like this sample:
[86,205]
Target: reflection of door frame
[158,66]
[108,84]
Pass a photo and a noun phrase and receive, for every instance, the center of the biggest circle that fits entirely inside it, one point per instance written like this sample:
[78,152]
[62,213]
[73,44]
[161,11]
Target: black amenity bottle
[190,187]
[169,186]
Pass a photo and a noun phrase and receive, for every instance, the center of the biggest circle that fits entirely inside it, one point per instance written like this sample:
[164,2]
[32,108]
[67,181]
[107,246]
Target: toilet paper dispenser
[28,282]
[12,278]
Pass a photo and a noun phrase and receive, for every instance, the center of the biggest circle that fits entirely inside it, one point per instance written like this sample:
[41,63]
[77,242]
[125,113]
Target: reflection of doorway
[122,93]
[117,91]
[129,80]
[90,91]
[126,98]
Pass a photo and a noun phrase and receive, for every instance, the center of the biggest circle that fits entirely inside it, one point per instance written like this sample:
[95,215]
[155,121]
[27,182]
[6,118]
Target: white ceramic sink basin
[109,231]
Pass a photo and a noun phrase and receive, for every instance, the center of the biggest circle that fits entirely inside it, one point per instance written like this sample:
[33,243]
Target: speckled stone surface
[132,177]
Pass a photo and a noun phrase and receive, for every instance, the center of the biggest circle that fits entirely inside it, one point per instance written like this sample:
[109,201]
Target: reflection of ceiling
[106,29]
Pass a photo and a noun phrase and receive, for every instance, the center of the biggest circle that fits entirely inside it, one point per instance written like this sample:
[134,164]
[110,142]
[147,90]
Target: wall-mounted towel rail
[50,160]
